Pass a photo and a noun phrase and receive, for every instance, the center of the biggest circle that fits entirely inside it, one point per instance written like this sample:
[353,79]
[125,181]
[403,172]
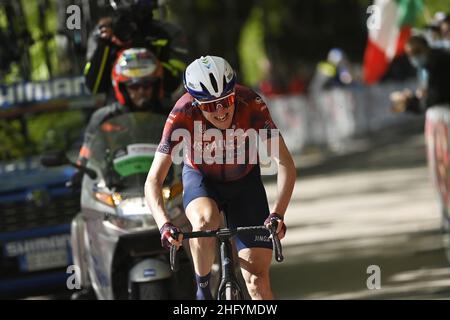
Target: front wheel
[231,291]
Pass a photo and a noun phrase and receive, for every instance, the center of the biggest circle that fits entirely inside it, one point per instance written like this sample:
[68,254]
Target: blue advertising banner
[40,91]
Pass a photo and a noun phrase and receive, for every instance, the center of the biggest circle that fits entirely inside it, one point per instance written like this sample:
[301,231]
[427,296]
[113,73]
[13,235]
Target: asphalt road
[373,207]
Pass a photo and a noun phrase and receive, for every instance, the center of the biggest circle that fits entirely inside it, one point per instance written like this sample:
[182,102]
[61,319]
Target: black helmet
[138,4]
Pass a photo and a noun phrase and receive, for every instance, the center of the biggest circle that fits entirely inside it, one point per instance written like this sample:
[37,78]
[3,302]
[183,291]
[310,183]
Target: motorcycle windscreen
[124,146]
[137,159]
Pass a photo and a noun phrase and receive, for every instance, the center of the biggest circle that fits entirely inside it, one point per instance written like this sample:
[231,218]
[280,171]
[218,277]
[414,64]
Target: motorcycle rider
[131,24]
[137,79]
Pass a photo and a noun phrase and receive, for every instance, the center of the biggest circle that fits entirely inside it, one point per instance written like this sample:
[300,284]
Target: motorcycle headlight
[110,199]
[172,192]
[172,200]
[131,213]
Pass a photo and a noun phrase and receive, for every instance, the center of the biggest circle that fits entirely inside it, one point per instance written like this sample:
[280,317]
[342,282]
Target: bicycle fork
[228,275]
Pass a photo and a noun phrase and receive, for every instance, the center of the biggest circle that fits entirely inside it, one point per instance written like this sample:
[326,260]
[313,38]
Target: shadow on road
[413,266]
[373,206]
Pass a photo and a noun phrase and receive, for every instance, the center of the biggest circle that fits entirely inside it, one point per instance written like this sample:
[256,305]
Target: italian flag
[388,41]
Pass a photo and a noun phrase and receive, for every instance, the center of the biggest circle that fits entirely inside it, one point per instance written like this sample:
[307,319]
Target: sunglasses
[136,86]
[214,105]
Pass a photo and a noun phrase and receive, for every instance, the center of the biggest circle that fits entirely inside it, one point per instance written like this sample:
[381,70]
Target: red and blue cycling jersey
[220,155]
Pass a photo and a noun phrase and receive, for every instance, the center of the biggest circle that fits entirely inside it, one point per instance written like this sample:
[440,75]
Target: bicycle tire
[231,292]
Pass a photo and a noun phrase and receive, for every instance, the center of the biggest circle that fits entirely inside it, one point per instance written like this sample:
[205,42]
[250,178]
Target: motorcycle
[115,240]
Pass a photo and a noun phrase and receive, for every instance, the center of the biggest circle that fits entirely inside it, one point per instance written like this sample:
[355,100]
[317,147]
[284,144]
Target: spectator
[332,72]
[445,32]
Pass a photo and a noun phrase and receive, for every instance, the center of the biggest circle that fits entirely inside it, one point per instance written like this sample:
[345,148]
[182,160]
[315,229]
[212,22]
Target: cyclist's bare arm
[153,187]
[286,176]
[153,191]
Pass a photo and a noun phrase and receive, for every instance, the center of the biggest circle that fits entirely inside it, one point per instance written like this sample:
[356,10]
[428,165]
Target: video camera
[131,15]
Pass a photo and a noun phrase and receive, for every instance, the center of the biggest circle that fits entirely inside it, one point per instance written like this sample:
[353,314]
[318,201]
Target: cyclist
[214,102]
[137,81]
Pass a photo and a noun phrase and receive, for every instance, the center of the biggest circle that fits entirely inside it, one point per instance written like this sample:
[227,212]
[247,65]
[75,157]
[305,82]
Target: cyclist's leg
[250,208]
[203,213]
[255,265]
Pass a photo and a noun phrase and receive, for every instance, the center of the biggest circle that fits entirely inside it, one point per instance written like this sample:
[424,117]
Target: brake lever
[174,265]
[276,241]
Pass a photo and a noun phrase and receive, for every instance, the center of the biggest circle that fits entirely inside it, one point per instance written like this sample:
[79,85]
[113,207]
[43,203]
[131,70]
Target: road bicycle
[229,288]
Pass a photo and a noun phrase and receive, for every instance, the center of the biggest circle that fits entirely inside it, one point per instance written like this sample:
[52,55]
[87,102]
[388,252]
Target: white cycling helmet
[209,78]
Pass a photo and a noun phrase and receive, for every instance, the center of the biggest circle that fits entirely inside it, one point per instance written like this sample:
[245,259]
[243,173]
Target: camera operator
[131,24]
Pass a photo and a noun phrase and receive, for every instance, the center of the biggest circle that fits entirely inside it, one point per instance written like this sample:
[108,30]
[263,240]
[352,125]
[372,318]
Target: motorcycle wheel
[156,290]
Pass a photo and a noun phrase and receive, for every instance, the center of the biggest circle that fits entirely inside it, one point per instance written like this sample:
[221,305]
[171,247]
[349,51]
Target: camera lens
[124,27]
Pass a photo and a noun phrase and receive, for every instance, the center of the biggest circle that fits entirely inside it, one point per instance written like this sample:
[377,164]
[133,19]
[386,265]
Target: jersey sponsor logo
[259,238]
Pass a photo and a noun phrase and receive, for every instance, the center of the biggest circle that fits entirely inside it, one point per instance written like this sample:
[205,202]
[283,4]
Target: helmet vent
[224,83]
[213,82]
[204,89]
